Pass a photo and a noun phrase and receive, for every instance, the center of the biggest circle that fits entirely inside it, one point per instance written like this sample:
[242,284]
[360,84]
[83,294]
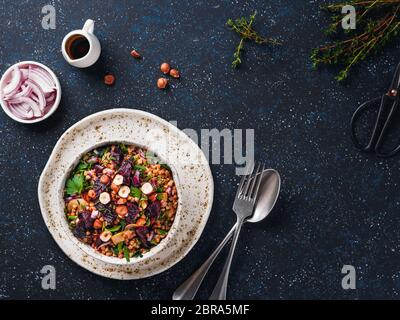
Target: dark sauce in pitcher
[77,47]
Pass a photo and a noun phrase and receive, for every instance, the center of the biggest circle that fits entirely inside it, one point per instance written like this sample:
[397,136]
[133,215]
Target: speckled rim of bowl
[186,229]
[56,101]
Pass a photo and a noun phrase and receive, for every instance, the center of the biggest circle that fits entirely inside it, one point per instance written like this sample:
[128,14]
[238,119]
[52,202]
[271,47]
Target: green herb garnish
[75,185]
[136,192]
[119,246]
[103,151]
[115,250]
[161,231]
[123,148]
[71,217]
[123,224]
[160,196]
[115,228]
[139,167]
[126,253]
[377,23]
[138,253]
[83,166]
[244,27]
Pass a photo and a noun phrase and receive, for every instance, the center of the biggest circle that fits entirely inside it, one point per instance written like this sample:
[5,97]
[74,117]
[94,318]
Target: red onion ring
[30,92]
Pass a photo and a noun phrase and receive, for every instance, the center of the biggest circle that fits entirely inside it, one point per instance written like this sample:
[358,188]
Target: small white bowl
[4,80]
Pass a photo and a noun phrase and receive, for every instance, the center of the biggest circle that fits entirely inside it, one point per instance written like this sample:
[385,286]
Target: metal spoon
[268,194]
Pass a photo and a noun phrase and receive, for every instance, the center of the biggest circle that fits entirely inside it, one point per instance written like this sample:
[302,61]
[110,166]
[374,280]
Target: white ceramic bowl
[4,80]
[190,170]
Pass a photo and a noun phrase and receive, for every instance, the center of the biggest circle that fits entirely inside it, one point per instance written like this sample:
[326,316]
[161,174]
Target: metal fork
[243,206]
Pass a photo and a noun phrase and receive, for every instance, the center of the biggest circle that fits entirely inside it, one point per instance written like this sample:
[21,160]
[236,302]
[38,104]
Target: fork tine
[254,179]
[254,194]
[243,180]
[245,188]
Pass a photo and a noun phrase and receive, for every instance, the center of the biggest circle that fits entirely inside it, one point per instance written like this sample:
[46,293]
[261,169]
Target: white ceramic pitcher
[94,50]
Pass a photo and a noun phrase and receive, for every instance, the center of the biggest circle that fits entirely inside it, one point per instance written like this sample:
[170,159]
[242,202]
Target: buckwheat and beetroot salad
[120,200]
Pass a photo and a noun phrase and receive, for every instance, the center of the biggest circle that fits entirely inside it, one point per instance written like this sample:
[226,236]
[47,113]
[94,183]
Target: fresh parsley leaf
[82,166]
[161,231]
[123,148]
[139,167]
[116,251]
[75,185]
[136,192]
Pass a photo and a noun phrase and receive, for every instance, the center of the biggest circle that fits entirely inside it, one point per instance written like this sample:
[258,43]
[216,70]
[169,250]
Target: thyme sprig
[377,23]
[244,27]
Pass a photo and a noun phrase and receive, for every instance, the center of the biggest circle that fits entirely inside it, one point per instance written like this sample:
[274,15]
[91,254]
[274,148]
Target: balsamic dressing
[77,47]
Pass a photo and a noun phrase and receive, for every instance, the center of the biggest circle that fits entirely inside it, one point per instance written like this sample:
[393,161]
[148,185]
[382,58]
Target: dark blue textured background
[337,206]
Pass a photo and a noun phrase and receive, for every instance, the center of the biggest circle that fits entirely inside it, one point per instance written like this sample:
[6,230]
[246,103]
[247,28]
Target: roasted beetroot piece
[99,187]
[116,154]
[106,211]
[153,210]
[141,232]
[136,179]
[125,170]
[80,231]
[98,242]
[85,216]
[133,211]
[98,168]
[150,236]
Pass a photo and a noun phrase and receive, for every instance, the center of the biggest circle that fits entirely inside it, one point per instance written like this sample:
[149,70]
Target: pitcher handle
[88,26]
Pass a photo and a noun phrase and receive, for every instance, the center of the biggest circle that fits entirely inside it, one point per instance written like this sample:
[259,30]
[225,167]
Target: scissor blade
[395,86]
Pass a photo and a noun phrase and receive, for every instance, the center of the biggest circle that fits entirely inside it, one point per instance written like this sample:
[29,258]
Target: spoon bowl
[267,195]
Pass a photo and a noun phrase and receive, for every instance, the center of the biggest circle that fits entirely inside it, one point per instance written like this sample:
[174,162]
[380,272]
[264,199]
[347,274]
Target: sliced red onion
[38,78]
[25,92]
[28,102]
[51,97]
[25,73]
[20,111]
[39,94]
[14,84]
[46,76]
[104,244]
[30,93]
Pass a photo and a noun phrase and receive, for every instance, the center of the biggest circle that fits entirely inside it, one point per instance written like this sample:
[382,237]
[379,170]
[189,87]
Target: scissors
[389,104]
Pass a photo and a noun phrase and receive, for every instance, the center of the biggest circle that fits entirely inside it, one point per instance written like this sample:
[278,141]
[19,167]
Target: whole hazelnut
[135,54]
[165,68]
[162,83]
[109,79]
[174,73]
